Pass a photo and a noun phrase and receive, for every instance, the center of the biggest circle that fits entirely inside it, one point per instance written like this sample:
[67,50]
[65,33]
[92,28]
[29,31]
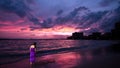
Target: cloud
[108,21]
[85,20]
[32,28]
[3,25]
[22,29]
[33,19]
[71,15]
[81,17]
[48,23]
[75,12]
[7,17]
[92,18]
[18,7]
[59,12]
[96,21]
[105,3]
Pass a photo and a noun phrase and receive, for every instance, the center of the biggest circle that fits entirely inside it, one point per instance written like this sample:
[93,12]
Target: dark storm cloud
[48,23]
[15,6]
[106,22]
[96,21]
[82,21]
[82,17]
[71,15]
[110,19]
[33,19]
[105,3]
[74,17]
[59,12]
[91,18]
[92,30]
[75,12]
[117,10]
[19,7]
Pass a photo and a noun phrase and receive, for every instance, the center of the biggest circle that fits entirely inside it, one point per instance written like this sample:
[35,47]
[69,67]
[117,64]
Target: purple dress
[32,55]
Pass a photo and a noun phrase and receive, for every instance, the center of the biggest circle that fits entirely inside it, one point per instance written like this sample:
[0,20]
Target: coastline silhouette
[114,34]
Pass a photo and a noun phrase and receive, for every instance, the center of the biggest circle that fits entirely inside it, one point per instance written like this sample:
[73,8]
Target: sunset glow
[57,19]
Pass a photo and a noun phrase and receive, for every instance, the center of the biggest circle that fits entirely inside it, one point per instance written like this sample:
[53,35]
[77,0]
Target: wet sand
[96,58]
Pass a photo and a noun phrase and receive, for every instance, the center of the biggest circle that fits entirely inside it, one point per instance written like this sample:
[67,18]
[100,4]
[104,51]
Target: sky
[46,19]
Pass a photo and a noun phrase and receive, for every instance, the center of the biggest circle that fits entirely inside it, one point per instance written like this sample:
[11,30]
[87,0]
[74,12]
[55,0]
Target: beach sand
[97,58]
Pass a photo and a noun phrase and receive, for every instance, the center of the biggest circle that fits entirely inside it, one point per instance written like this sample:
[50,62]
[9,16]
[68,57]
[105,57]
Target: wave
[40,52]
[22,56]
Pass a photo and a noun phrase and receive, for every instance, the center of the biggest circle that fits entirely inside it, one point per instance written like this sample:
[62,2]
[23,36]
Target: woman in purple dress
[32,53]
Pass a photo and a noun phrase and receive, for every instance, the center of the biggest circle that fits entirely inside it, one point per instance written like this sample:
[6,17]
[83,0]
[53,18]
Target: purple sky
[43,19]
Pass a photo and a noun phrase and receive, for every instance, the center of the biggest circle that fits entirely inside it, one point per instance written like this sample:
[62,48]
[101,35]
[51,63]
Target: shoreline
[94,58]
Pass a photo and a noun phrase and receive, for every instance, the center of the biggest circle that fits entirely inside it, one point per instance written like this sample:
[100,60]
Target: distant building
[116,31]
[95,35]
[106,36]
[113,35]
[77,35]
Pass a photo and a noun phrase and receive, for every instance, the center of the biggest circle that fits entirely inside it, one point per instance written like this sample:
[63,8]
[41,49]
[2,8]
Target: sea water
[15,50]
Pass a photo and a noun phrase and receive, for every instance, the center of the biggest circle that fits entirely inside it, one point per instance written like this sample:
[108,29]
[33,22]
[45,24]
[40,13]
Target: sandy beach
[96,58]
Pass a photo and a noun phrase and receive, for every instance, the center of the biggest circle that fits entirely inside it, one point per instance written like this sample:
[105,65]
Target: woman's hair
[35,44]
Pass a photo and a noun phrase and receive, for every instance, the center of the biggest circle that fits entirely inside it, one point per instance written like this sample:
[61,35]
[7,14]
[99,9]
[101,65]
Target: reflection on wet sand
[64,60]
[88,58]
[68,59]
[80,59]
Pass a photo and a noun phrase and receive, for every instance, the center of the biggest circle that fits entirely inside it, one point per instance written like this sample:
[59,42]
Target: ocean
[16,50]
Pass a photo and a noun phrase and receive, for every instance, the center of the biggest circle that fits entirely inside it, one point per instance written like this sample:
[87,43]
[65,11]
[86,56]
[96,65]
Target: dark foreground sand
[96,58]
